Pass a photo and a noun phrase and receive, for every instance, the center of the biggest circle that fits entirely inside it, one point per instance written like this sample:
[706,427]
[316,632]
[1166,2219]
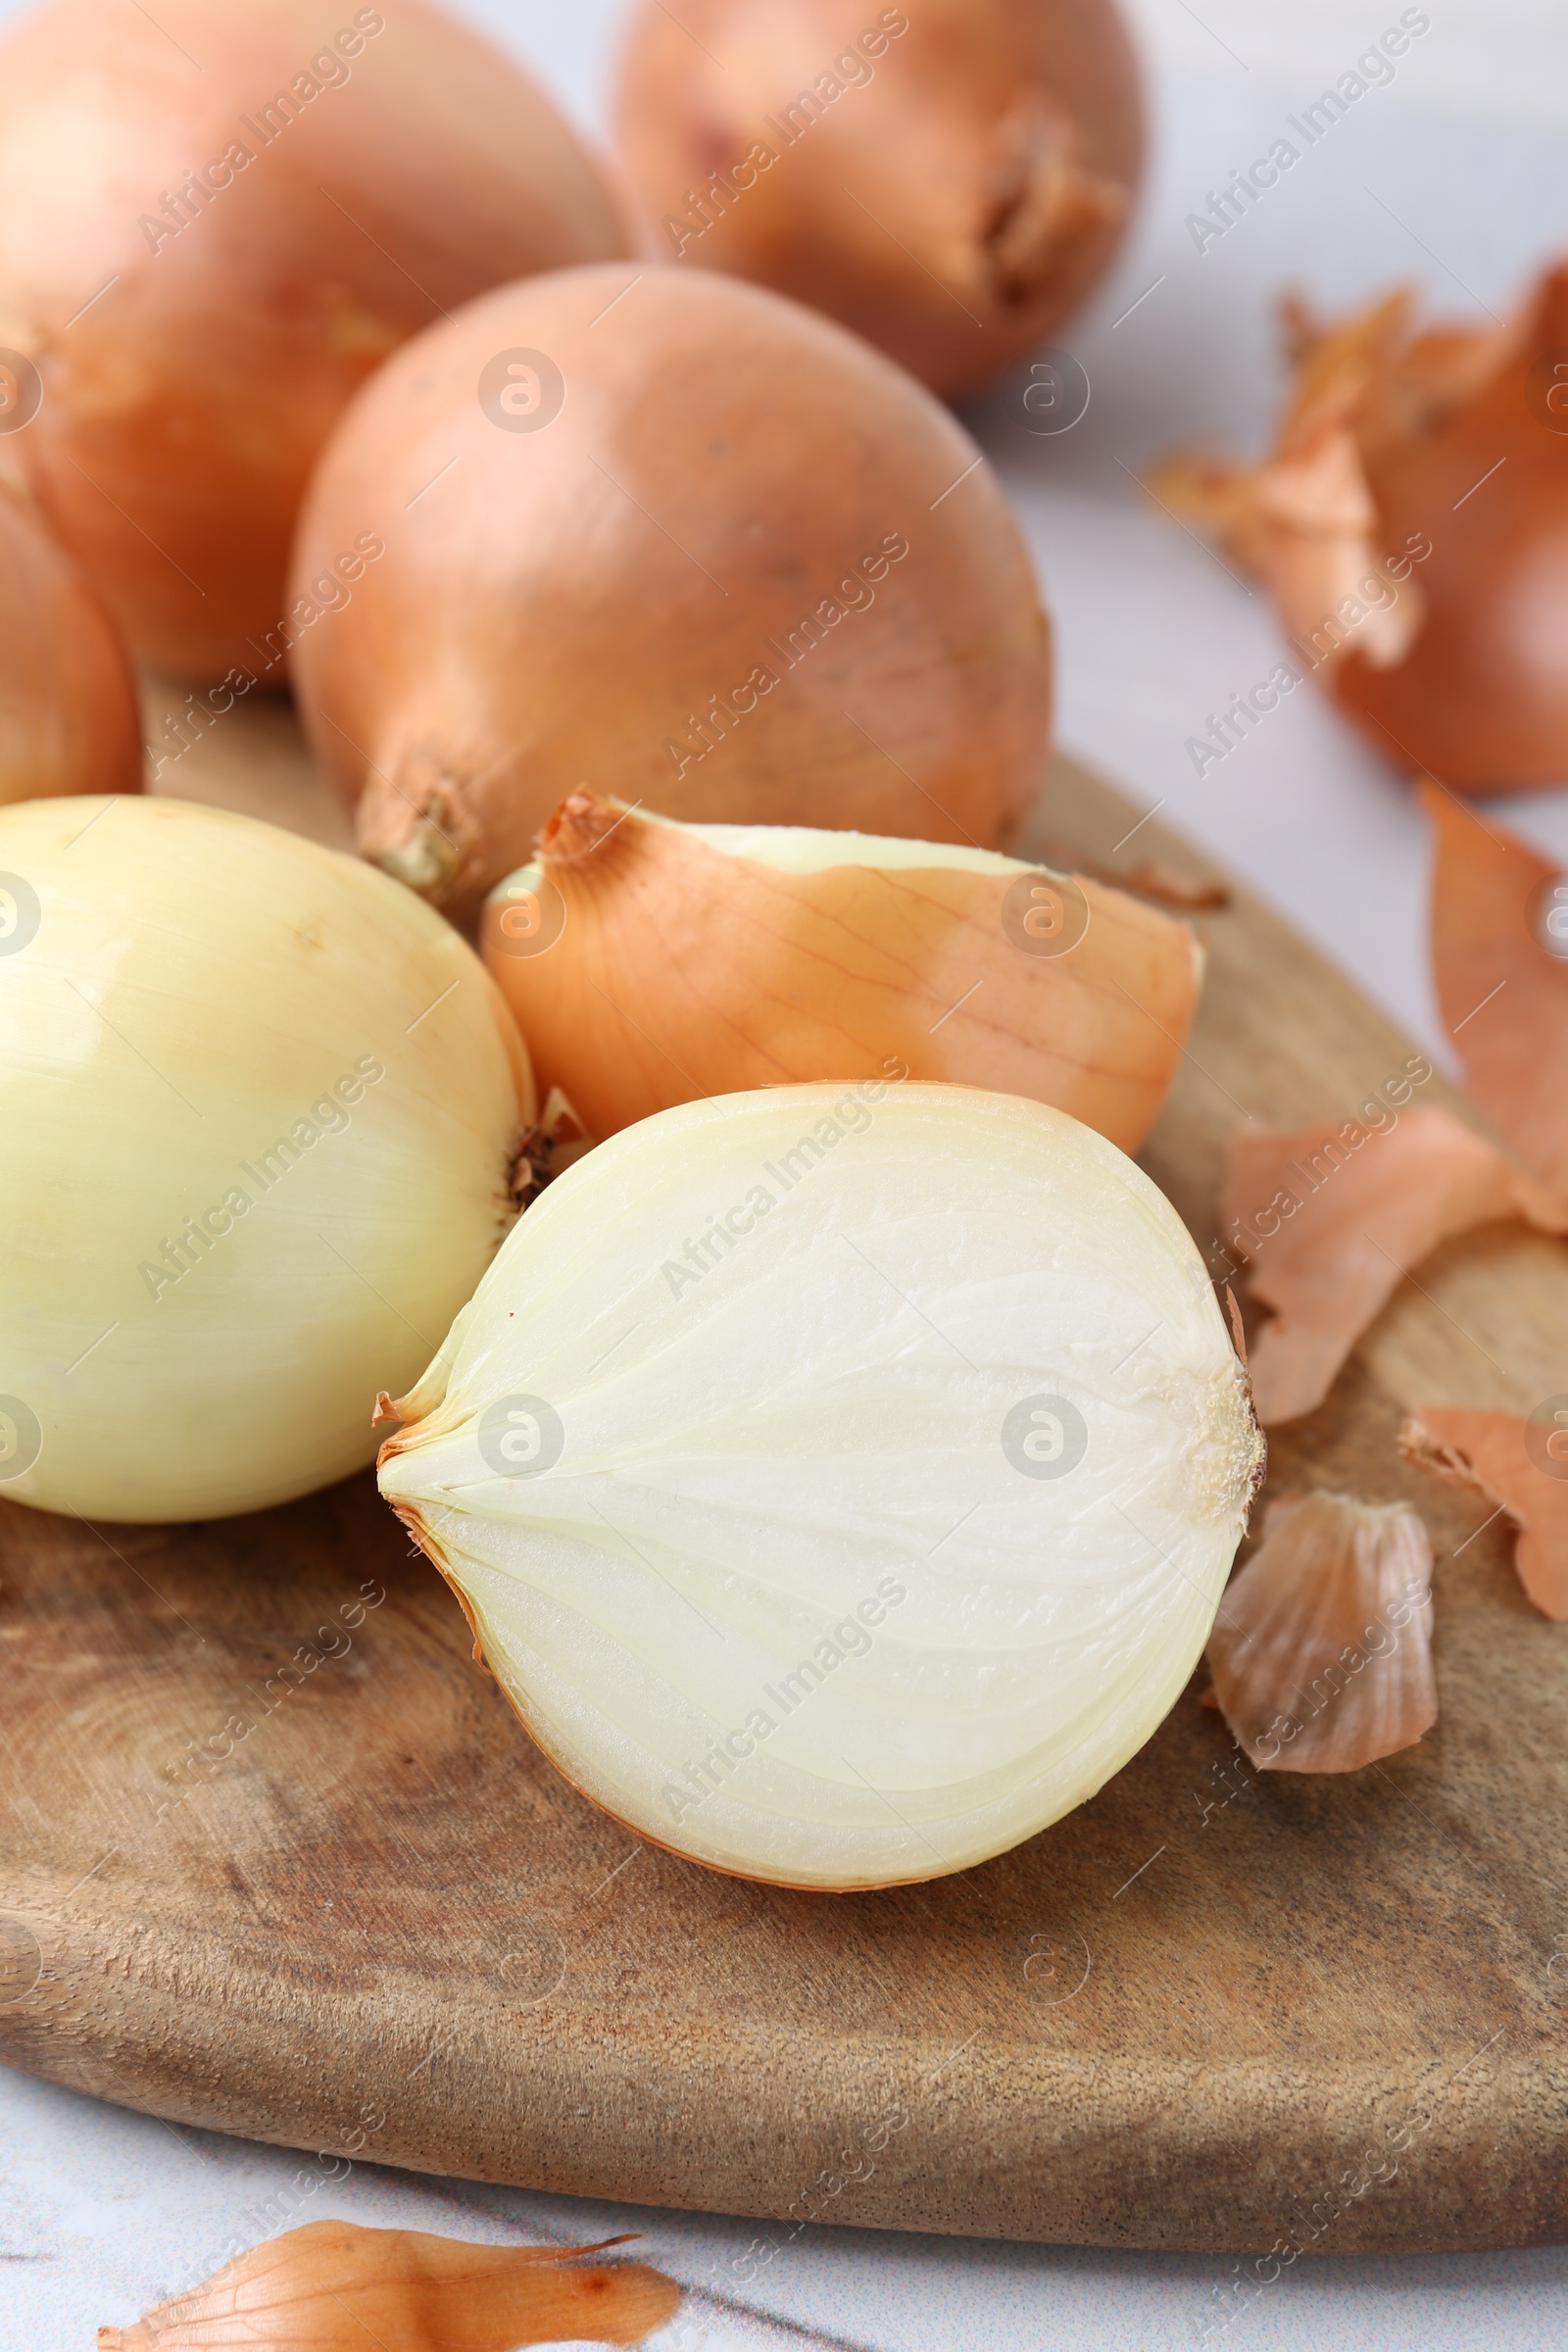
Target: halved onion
[217,218]
[840,1479]
[68,707]
[703,549]
[648,962]
[259,1108]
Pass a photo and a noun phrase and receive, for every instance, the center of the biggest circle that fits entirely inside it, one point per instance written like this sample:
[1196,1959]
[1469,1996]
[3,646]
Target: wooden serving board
[1210,2009]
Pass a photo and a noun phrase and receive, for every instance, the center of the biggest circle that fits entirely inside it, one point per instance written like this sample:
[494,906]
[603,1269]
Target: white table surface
[1456,175]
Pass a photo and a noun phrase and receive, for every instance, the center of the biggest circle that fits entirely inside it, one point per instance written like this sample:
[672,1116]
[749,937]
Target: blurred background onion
[216,220]
[68,704]
[950,181]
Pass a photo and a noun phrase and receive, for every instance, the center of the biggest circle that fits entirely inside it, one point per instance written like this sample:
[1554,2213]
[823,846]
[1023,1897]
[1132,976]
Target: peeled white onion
[841,1480]
[258,1107]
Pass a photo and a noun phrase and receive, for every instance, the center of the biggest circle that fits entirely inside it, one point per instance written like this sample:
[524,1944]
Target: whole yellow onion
[258,1112]
[951,179]
[672,535]
[67,703]
[217,218]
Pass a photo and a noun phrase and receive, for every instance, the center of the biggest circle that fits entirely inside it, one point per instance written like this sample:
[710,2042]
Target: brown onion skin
[1481,699]
[681,970]
[563,601]
[68,720]
[182,410]
[955,208]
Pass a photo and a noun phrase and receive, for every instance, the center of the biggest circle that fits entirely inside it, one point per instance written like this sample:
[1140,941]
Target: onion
[840,1479]
[259,1108]
[1411,524]
[68,707]
[650,962]
[950,180]
[217,217]
[678,583]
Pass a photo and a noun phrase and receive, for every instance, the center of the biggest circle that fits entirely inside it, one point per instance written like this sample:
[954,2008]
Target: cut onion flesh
[839,1478]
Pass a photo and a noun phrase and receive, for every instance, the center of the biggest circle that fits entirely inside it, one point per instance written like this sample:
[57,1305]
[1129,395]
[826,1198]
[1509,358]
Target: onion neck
[581,827]
[1043,206]
[413,831]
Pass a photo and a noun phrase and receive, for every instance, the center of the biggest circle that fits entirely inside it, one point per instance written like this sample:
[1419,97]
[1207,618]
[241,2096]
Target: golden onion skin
[699,960]
[197,323]
[257,1108]
[324,2283]
[1481,698]
[657,573]
[1411,524]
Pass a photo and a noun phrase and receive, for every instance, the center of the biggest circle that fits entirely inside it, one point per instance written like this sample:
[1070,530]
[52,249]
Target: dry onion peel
[1499,958]
[1522,1466]
[950,180]
[262,198]
[648,962]
[1411,525]
[1332,1218]
[259,1108]
[1322,1648]
[1146,878]
[334,2286]
[1152,878]
[673,585]
[68,707]
[1303,520]
[838,1480]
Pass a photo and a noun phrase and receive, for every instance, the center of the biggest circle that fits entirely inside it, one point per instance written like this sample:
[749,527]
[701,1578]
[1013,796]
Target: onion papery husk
[193,362]
[1520,1465]
[1322,1648]
[955,200]
[1499,961]
[336,2286]
[650,962]
[1332,1218]
[68,721]
[259,1108]
[677,587]
[1411,524]
[839,1478]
